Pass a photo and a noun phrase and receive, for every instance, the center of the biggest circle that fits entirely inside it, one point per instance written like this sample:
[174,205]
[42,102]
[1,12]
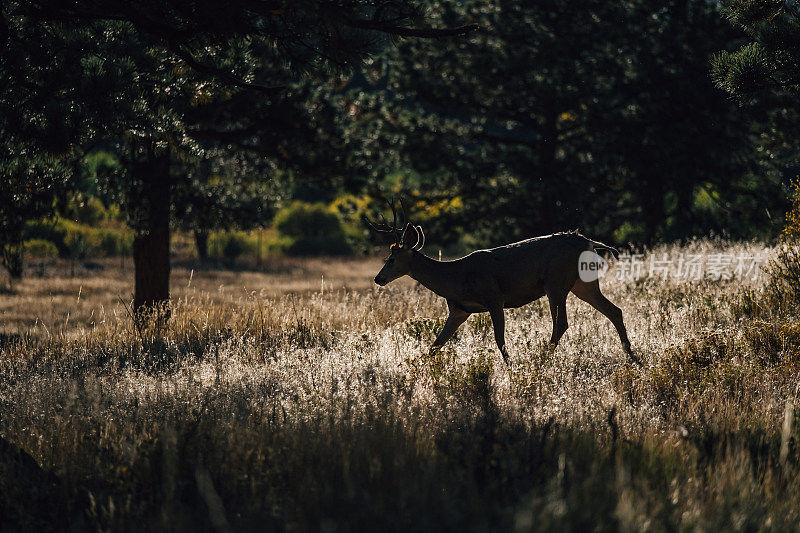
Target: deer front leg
[499,325]
[454,320]
[558,311]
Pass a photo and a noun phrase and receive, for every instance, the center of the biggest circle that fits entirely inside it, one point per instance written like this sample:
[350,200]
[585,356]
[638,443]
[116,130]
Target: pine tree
[556,115]
[79,72]
[223,192]
[30,183]
[763,74]
[770,62]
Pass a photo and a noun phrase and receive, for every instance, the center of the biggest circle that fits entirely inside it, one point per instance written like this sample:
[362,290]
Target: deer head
[406,244]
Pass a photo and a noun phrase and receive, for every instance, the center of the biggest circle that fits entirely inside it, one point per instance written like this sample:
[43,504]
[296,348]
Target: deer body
[504,277]
[515,274]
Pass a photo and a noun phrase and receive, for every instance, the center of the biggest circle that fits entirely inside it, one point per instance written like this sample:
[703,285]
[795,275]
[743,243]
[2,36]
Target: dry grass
[63,302]
[268,404]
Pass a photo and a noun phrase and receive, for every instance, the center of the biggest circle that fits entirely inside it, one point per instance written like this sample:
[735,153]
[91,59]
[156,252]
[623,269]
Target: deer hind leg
[499,325]
[590,293]
[558,311]
[454,320]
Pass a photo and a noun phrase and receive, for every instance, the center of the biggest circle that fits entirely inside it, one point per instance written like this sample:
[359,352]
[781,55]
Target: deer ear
[421,241]
[410,236]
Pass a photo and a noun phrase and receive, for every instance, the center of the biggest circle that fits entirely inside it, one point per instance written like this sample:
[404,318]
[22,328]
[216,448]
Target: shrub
[233,248]
[689,368]
[774,343]
[78,240]
[80,243]
[48,230]
[230,245]
[11,259]
[472,380]
[783,287]
[275,244]
[40,248]
[780,295]
[311,229]
[115,242]
[87,210]
[310,246]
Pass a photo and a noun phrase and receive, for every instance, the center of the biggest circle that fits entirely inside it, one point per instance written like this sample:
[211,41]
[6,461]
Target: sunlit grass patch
[775,343]
[423,329]
[311,410]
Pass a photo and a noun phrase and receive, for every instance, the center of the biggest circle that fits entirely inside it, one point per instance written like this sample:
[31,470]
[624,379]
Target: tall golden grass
[305,398]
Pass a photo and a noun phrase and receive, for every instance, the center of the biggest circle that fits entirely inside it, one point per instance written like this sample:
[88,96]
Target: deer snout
[380,280]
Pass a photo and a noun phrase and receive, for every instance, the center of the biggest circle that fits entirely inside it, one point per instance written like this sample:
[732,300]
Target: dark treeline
[180,92]
[598,115]
[509,119]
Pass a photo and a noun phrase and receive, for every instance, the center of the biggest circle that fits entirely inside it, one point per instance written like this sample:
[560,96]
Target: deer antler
[395,228]
[383,226]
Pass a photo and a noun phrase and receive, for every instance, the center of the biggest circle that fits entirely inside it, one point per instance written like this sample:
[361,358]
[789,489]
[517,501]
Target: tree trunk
[12,259]
[151,244]
[201,242]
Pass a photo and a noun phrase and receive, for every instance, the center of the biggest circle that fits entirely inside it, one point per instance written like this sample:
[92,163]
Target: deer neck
[435,275]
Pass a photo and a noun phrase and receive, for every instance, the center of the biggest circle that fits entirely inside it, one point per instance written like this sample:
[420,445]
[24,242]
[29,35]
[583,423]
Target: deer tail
[597,245]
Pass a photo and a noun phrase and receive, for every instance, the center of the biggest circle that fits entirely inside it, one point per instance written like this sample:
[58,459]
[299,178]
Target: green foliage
[77,241]
[220,195]
[49,230]
[86,210]
[301,219]
[769,63]
[30,182]
[313,229]
[762,73]
[554,118]
[229,91]
[11,256]
[230,245]
[233,249]
[784,282]
[313,246]
[434,214]
[164,84]
[79,244]
[743,71]
[40,248]
[630,232]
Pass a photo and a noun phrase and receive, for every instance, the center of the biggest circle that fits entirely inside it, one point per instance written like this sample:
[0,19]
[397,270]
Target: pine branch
[401,31]
[211,70]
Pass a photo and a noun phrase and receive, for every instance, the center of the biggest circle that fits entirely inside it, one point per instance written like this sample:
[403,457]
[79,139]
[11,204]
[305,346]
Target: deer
[500,278]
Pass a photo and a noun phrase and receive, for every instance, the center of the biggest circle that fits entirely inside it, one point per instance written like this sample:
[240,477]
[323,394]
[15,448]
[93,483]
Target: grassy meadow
[303,398]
